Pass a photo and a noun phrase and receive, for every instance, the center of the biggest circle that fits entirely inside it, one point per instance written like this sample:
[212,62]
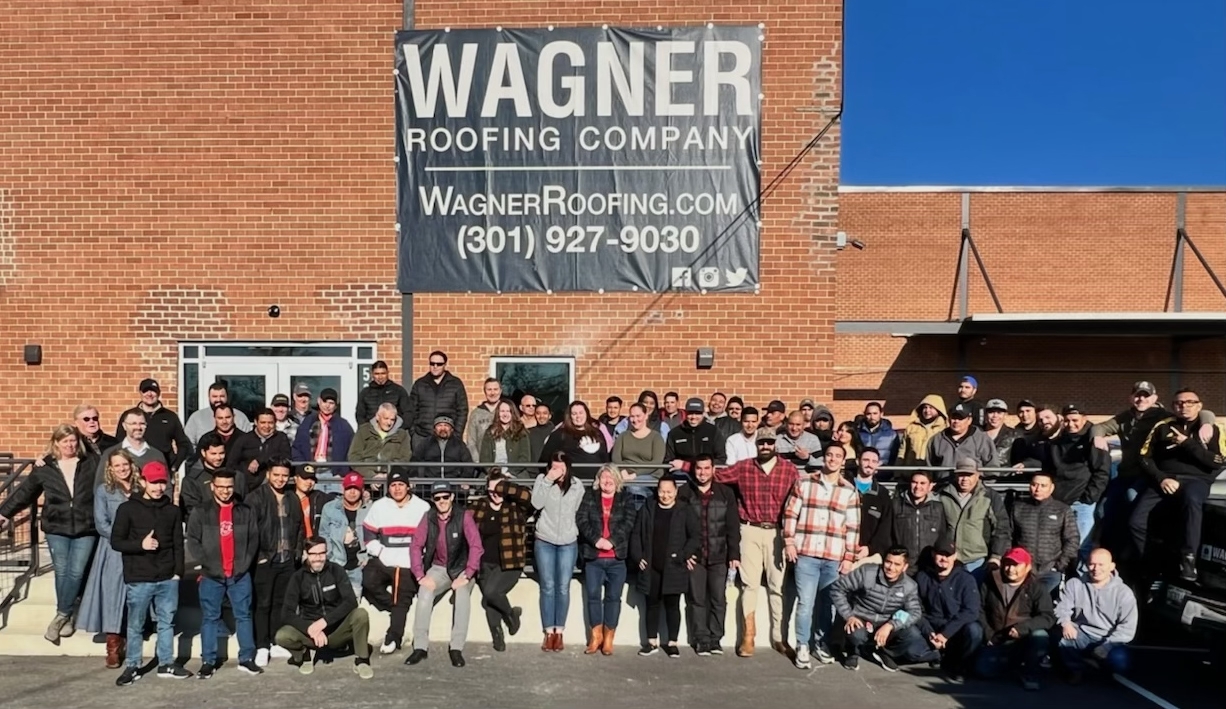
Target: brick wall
[170,168]
[1045,252]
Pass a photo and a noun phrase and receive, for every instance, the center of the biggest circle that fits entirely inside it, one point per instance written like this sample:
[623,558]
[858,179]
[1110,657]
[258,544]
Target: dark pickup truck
[1200,606]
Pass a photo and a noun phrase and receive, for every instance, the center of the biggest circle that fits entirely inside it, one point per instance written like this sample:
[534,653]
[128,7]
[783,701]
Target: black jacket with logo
[1162,458]
[686,443]
[310,596]
[204,538]
[65,514]
[134,520]
[876,519]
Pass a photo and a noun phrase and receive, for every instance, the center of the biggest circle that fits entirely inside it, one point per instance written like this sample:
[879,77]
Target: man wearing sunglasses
[89,431]
[445,556]
[436,393]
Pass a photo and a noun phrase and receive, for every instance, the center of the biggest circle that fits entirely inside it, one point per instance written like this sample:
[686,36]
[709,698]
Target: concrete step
[22,631]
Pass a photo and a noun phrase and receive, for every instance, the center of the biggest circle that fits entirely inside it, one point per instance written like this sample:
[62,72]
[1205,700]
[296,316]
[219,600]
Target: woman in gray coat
[105,598]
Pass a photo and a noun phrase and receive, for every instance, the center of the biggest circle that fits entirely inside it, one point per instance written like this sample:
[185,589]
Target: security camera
[859,245]
[274,311]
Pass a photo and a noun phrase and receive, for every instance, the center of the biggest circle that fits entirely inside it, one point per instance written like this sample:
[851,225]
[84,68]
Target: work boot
[751,630]
[606,647]
[113,660]
[593,645]
[53,630]
[1187,567]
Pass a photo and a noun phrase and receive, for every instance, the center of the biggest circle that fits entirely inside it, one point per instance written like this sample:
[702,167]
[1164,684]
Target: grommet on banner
[551,28]
[761,38]
[761,97]
[548,291]
[395,158]
[758,223]
[498,28]
[600,291]
[395,72]
[659,28]
[468,292]
[497,292]
[446,29]
[397,226]
[710,25]
[761,25]
[703,291]
[604,27]
[634,288]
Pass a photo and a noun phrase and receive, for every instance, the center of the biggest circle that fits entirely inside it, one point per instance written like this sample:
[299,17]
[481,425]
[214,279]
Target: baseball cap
[440,487]
[1069,409]
[1144,386]
[777,406]
[301,389]
[308,472]
[959,412]
[1017,555]
[971,380]
[1026,402]
[766,433]
[149,385]
[807,403]
[996,405]
[280,400]
[444,418]
[352,479]
[328,394]
[694,405]
[944,546]
[155,472]
[966,466]
[398,476]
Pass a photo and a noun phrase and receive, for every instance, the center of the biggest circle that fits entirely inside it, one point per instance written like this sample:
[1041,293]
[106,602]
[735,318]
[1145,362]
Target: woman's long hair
[563,482]
[135,481]
[588,429]
[512,431]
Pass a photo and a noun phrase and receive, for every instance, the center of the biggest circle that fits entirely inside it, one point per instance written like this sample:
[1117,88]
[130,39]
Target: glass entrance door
[250,383]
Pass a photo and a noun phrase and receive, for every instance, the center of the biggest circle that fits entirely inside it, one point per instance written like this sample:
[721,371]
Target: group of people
[943,570]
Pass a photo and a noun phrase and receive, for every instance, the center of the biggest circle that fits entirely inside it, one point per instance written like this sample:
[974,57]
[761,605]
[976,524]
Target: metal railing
[19,543]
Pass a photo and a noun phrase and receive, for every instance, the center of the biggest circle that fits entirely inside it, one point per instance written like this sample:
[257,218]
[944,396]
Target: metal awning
[1203,324]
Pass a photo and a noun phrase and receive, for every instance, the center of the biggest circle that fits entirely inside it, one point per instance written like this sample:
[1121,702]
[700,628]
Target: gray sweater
[1108,614]
[556,522]
[865,594]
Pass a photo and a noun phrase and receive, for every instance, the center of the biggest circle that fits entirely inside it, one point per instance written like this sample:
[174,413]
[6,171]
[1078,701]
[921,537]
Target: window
[550,379]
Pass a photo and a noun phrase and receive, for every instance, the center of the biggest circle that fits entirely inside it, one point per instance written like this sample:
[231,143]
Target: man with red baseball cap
[340,524]
[1017,619]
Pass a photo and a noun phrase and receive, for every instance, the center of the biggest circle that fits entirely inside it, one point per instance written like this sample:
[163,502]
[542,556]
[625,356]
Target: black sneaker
[207,670]
[703,649]
[672,651]
[173,672]
[648,650]
[715,649]
[250,668]
[513,621]
[851,662]
[887,663]
[130,675]
[497,639]
[1187,567]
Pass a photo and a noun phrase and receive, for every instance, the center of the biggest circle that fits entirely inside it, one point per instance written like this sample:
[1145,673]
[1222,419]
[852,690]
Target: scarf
[321,444]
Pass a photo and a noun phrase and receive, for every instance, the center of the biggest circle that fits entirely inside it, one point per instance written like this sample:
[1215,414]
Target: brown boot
[113,660]
[751,631]
[593,645]
[547,643]
[558,645]
[606,648]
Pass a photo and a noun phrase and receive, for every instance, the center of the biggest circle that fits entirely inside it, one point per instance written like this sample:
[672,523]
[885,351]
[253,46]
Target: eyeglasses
[441,498]
[317,553]
[765,443]
[1187,402]
[438,364]
[89,418]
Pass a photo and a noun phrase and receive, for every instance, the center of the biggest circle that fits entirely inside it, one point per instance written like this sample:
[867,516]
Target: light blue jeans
[164,597]
[555,567]
[1073,653]
[69,561]
[1085,514]
[814,577]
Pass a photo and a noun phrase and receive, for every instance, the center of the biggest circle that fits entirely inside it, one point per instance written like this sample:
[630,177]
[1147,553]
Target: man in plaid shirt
[821,532]
[762,485]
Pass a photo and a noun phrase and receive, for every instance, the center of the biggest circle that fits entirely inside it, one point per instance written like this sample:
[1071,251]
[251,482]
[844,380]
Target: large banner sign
[578,159]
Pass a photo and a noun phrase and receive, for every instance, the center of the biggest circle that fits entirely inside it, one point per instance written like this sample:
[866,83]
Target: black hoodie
[133,521]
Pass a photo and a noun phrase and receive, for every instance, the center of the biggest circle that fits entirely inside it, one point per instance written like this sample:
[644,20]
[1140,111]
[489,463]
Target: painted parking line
[1143,692]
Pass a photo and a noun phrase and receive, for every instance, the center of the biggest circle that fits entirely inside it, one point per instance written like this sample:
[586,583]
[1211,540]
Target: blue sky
[1045,92]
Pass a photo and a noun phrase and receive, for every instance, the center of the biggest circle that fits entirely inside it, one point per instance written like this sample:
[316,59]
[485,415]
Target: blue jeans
[978,569]
[212,592]
[164,596]
[1073,653]
[1085,513]
[555,566]
[603,581]
[69,560]
[355,580]
[1029,651]
[814,577]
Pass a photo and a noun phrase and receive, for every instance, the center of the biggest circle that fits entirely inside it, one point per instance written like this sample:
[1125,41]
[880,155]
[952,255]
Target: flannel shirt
[513,519]
[760,495]
[823,520]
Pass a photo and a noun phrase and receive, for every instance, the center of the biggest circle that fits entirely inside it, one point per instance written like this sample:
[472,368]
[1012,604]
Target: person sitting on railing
[506,443]
[381,440]
[977,519]
[580,439]
[502,518]
[310,500]
[64,477]
[340,524]
[388,530]
[105,599]
[446,449]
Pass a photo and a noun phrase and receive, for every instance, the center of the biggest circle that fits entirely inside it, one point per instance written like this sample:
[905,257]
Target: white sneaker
[802,658]
[279,653]
[388,647]
[823,654]
[261,657]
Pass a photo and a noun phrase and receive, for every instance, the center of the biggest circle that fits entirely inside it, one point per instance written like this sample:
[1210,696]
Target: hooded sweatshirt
[1107,614]
[914,448]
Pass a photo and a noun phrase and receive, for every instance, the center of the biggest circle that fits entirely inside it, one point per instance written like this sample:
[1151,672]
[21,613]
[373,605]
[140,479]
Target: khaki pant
[762,550]
[355,627]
